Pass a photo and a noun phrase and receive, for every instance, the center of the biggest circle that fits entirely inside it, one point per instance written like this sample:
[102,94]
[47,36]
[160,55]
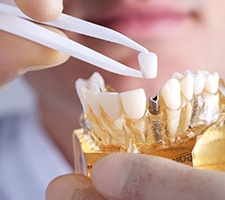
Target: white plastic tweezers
[12,20]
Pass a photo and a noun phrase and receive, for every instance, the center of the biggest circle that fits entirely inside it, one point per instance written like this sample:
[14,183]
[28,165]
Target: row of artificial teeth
[133,103]
[92,96]
[188,85]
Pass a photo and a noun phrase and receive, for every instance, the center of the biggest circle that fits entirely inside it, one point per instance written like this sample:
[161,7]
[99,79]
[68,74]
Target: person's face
[185,34]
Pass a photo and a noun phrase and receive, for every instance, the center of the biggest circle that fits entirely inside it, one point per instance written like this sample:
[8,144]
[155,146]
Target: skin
[197,43]
[141,177]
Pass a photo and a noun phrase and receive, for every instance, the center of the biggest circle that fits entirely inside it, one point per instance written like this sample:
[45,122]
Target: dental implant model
[187,106]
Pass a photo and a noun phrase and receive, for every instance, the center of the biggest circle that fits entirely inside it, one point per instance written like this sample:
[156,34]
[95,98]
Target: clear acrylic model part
[209,151]
[166,125]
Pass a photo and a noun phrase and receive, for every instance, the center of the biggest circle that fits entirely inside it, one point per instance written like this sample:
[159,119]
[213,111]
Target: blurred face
[185,34]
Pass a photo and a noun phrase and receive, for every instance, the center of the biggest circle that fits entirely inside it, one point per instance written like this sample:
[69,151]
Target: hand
[71,187]
[18,55]
[41,10]
[140,177]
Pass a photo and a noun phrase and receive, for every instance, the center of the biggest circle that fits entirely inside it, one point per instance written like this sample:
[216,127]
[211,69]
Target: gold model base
[83,163]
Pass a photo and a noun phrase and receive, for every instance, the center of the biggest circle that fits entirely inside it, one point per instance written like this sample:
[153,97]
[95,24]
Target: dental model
[187,106]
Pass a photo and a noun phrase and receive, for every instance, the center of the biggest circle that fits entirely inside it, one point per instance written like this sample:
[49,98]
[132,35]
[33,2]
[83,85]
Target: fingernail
[44,66]
[110,174]
[33,68]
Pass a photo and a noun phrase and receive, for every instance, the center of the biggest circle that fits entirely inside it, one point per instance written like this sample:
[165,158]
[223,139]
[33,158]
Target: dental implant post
[154,105]
[155,121]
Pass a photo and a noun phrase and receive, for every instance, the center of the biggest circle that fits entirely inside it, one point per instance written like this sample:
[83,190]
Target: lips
[144,21]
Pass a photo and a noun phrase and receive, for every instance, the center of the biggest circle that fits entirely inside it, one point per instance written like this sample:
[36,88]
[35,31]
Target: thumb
[140,177]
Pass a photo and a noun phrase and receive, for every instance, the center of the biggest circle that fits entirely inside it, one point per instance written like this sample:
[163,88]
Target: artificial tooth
[96,82]
[173,120]
[187,86]
[171,94]
[82,94]
[199,82]
[204,72]
[177,75]
[186,112]
[186,72]
[111,104]
[94,86]
[81,87]
[134,103]
[210,104]
[79,83]
[148,64]
[212,83]
[97,79]
[92,98]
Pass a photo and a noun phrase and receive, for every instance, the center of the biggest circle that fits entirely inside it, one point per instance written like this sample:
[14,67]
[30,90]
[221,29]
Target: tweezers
[13,21]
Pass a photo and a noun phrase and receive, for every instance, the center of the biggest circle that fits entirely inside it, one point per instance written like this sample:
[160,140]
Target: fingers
[18,56]
[140,177]
[41,10]
[72,187]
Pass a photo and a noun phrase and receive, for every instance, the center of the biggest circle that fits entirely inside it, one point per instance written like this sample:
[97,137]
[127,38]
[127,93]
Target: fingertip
[71,187]
[60,187]
[41,10]
[109,175]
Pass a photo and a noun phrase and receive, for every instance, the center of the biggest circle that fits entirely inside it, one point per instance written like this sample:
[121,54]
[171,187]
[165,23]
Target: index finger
[41,10]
